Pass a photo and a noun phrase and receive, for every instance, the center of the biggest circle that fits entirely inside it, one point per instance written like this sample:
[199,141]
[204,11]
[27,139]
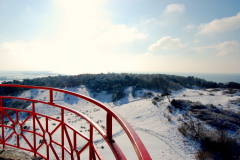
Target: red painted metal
[139,147]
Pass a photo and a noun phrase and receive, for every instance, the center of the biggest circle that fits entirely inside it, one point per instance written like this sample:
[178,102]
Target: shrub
[169,118]
[26,127]
[19,104]
[158,99]
[215,144]
[170,108]
[117,94]
[183,129]
[192,129]
[203,155]
[149,94]
[220,146]
[180,104]
[154,102]
[179,118]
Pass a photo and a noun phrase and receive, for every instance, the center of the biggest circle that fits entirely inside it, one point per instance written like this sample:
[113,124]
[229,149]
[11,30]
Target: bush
[158,99]
[215,144]
[19,104]
[181,104]
[210,114]
[221,146]
[183,129]
[171,109]
[192,129]
[169,118]
[203,155]
[117,94]
[149,94]
[154,102]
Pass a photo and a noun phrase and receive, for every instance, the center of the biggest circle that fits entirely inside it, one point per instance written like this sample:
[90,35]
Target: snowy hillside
[156,126]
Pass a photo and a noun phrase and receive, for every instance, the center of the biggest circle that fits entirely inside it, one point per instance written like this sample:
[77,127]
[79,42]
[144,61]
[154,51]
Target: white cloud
[155,21]
[166,43]
[225,52]
[220,25]
[226,48]
[228,45]
[190,27]
[120,34]
[175,8]
[196,41]
[222,49]
[166,18]
[86,42]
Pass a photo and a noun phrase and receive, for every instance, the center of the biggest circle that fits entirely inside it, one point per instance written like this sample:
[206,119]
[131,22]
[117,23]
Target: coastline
[214,77]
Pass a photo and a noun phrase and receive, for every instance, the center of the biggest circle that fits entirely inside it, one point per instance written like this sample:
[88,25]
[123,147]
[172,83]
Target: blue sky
[100,36]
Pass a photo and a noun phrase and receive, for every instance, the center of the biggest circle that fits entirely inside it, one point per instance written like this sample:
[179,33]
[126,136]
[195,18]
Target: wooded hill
[115,83]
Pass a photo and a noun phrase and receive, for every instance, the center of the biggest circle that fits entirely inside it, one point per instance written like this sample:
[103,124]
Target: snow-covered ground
[157,128]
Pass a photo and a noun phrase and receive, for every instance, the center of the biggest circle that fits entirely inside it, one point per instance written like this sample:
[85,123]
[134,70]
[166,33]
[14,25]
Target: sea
[20,75]
[214,77]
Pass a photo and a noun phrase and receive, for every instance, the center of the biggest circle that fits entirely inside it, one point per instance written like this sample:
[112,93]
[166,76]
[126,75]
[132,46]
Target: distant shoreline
[219,78]
[216,77]
[20,75]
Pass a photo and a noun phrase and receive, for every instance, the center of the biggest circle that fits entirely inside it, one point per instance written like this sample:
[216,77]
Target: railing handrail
[138,146]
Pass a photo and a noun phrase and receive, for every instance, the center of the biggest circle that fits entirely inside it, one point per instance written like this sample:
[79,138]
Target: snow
[159,135]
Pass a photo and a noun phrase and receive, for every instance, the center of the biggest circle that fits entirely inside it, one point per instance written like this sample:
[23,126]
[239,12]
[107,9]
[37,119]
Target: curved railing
[18,129]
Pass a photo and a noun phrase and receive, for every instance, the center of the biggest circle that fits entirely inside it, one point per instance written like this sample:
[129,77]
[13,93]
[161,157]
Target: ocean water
[220,78]
[20,75]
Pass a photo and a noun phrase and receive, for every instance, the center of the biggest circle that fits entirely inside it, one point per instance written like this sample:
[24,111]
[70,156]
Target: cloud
[87,42]
[220,25]
[196,41]
[155,21]
[190,27]
[121,34]
[228,45]
[226,48]
[166,43]
[167,17]
[175,8]
[222,49]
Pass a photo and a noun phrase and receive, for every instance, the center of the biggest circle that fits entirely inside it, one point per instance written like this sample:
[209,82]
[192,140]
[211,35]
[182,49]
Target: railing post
[62,134]
[91,151]
[74,140]
[109,127]
[47,143]
[2,121]
[18,138]
[34,129]
[51,96]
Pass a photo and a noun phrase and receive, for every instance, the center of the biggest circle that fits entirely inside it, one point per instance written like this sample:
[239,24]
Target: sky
[101,36]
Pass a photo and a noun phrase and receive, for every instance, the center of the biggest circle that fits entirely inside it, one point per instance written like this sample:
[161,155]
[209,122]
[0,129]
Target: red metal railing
[19,131]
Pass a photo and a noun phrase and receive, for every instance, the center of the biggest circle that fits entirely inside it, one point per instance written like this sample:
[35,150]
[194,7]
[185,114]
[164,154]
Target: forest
[115,83]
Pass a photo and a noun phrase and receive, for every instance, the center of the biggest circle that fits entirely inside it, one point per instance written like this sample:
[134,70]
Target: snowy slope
[160,136]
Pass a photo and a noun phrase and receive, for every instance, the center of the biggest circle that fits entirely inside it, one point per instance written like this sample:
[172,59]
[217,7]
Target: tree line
[116,82]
